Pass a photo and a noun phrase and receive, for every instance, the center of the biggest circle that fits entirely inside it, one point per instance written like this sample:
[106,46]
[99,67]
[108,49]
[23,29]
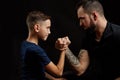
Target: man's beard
[92,27]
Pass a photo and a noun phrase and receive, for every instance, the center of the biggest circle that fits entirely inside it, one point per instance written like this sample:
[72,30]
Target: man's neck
[100,29]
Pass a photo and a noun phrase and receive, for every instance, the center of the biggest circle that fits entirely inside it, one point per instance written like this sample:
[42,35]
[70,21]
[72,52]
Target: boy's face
[44,29]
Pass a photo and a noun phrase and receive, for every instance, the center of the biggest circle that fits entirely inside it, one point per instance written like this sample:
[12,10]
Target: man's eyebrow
[81,18]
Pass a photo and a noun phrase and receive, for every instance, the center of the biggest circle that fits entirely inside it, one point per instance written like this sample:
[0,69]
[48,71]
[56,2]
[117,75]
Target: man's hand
[62,43]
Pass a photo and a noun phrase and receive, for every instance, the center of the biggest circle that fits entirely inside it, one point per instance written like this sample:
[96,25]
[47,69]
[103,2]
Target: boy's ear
[36,28]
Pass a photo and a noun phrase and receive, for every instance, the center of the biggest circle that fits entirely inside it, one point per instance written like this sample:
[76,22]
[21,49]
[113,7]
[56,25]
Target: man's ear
[94,15]
[36,27]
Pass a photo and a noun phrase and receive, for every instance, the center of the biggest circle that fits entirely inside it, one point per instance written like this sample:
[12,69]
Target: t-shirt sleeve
[41,55]
[45,59]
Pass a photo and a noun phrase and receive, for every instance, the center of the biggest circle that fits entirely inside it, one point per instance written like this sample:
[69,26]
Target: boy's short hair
[34,16]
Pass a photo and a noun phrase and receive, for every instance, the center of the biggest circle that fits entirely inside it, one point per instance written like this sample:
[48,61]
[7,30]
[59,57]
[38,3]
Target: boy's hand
[62,43]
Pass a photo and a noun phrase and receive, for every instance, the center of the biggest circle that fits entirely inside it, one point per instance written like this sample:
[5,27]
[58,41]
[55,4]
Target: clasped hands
[62,43]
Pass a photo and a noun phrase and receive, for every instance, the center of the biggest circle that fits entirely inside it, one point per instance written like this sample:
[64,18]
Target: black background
[64,23]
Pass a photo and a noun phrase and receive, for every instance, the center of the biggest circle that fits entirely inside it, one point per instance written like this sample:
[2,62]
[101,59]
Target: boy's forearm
[61,62]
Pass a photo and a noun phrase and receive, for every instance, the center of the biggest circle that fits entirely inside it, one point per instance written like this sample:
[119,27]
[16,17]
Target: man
[102,43]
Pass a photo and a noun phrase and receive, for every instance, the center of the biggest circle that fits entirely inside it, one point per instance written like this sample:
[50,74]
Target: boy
[34,59]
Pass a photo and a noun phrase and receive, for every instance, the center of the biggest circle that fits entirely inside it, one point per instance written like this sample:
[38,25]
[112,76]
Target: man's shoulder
[114,26]
[116,31]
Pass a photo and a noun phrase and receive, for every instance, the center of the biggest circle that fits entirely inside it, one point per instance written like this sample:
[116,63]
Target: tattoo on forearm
[81,53]
[72,58]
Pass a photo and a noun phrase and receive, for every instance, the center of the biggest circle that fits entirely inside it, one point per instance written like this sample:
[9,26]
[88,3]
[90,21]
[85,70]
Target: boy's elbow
[59,74]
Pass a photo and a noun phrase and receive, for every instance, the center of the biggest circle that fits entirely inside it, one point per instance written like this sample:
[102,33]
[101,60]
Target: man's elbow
[80,72]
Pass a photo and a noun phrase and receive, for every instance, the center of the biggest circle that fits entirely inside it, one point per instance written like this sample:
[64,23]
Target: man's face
[84,19]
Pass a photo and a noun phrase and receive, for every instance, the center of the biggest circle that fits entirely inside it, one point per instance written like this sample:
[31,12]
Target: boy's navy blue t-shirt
[34,58]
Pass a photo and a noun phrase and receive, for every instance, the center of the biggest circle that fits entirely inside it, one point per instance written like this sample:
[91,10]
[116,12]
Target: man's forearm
[72,58]
[79,63]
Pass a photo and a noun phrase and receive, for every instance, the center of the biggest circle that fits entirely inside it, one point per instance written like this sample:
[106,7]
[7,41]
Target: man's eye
[80,18]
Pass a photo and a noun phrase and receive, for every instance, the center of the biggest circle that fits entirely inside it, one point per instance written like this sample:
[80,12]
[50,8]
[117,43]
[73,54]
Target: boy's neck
[32,38]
